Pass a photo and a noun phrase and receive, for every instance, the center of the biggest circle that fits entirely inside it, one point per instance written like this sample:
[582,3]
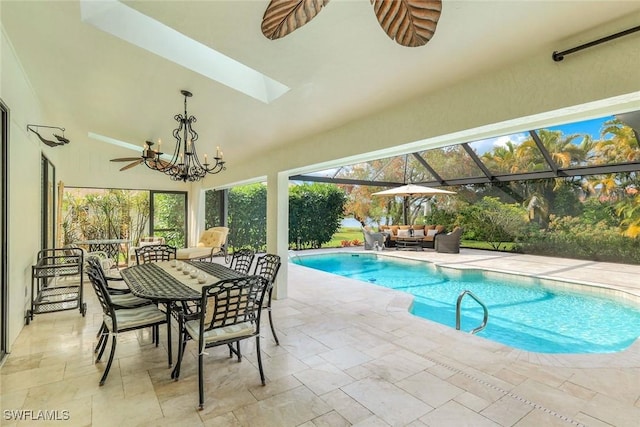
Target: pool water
[523,314]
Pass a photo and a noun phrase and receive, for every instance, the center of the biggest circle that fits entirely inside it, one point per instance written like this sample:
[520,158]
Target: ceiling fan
[135,161]
[410,23]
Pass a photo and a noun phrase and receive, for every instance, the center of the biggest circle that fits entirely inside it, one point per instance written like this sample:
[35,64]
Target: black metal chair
[267,266]
[122,298]
[109,279]
[155,253]
[118,320]
[229,313]
[242,260]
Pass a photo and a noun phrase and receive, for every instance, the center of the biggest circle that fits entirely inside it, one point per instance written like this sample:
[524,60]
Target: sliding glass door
[4,226]
[48,194]
[168,217]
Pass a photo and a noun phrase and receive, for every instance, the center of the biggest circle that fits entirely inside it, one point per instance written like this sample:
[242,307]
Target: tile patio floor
[350,354]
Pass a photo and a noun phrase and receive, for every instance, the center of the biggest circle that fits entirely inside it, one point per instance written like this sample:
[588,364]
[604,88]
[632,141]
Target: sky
[591,127]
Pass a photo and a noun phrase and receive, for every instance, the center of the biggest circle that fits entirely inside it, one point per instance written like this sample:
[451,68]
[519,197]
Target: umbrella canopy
[409,190]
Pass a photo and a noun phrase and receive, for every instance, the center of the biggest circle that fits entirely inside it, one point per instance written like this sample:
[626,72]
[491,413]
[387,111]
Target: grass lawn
[474,244]
[345,233]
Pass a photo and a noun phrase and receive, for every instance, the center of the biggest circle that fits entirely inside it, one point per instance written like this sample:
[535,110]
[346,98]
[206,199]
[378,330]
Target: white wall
[24,182]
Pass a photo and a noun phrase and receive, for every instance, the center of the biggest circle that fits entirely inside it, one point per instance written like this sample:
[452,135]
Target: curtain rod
[559,56]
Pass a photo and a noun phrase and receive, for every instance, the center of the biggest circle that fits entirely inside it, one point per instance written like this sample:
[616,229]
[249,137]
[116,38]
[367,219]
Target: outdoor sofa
[428,233]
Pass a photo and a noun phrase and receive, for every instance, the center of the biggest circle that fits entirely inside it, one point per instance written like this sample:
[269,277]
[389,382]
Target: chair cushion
[148,241]
[129,300]
[211,239]
[193,253]
[129,318]
[219,334]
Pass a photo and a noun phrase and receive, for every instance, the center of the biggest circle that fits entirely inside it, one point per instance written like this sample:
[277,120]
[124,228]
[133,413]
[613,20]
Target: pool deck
[350,354]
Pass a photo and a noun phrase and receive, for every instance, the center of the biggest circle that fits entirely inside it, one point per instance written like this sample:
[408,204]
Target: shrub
[315,213]
[570,236]
[495,222]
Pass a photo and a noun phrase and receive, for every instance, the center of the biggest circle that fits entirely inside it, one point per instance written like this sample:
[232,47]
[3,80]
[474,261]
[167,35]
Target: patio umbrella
[410,190]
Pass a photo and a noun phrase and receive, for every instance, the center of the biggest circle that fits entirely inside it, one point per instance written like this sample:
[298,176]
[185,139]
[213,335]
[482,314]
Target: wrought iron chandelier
[184,164]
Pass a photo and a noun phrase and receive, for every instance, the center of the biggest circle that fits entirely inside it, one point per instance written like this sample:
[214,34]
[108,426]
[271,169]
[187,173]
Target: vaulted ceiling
[339,67]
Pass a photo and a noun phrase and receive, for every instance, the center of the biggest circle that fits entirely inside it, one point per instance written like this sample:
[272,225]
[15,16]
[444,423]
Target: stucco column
[278,227]
[196,213]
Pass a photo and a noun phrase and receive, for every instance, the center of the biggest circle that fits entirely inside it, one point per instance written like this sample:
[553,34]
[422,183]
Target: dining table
[166,282]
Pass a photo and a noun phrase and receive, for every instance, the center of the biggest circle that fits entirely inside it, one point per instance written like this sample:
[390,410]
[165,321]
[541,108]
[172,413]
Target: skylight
[128,24]
[122,144]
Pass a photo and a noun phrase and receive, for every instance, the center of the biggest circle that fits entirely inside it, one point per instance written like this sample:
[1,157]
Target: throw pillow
[418,233]
[431,233]
[403,233]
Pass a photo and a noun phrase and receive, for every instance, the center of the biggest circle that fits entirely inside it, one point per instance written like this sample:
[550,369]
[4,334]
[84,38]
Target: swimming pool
[526,313]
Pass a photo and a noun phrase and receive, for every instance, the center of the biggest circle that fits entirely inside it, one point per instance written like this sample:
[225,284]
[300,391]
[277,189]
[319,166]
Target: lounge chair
[450,242]
[212,242]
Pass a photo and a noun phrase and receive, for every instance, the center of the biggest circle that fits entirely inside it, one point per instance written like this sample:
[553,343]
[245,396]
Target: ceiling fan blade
[125,159]
[163,163]
[410,23]
[284,16]
[130,165]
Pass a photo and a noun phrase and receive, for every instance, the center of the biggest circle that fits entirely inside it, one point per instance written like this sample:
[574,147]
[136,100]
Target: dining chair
[267,266]
[118,320]
[106,262]
[122,298]
[229,313]
[155,253]
[241,260]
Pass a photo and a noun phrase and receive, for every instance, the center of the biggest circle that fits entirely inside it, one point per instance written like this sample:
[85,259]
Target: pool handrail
[484,309]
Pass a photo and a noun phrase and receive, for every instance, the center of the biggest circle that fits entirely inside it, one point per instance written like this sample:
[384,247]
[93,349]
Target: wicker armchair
[450,242]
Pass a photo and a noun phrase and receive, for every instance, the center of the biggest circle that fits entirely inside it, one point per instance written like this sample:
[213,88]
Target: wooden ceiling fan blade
[164,163]
[285,16]
[410,23]
[130,165]
[125,159]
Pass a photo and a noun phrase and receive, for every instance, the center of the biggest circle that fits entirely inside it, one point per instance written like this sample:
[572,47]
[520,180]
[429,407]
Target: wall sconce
[61,139]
